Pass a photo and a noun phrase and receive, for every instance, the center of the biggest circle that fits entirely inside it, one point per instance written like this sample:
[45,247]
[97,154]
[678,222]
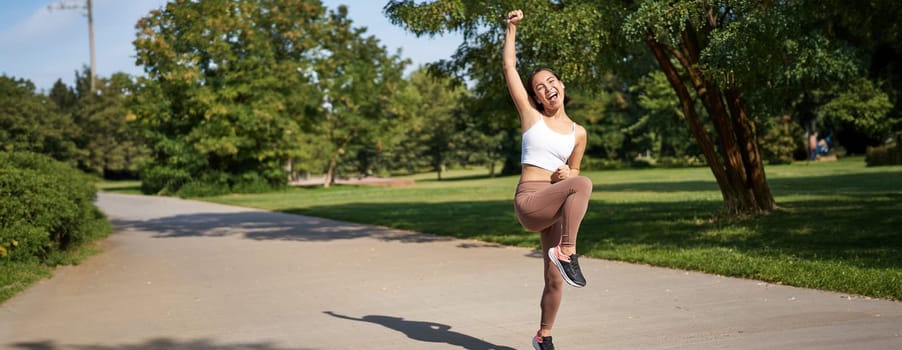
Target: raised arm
[514,84]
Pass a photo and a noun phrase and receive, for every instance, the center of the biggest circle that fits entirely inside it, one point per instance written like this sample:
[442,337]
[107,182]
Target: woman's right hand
[514,17]
[560,174]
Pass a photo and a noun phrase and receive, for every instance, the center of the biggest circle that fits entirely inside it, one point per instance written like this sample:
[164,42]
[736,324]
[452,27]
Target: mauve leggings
[555,210]
[558,208]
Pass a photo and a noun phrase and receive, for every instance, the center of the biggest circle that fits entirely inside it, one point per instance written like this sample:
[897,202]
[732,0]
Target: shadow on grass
[428,332]
[862,231]
[681,186]
[849,246]
[153,344]
[459,178]
[843,183]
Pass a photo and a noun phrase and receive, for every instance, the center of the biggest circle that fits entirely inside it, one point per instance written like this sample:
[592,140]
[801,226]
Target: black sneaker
[542,343]
[569,270]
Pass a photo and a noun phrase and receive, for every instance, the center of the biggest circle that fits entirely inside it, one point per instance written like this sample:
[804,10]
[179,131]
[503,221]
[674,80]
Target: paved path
[189,275]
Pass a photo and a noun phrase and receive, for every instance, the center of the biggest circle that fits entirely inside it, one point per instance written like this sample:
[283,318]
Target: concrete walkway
[182,274]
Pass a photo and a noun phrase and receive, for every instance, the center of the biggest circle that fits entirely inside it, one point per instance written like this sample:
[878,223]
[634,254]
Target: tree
[32,122]
[431,134]
[64,96]
[661,126]
[718,55]
[355,78]
[861,109]
[228,83]
[873,29]
[108,144]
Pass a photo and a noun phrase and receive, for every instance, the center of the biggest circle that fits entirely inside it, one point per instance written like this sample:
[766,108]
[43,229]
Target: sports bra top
[546,148]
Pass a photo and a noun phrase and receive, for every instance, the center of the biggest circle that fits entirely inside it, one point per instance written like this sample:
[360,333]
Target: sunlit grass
[126,187]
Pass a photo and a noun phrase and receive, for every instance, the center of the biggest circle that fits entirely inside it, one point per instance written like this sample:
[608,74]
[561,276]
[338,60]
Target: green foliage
[253,88]
[781,142]
[253,182]
[861,106]
[889,154]
[163,180]
[73,125]
[203,188]
[355,78]
[490,112]
[742,64]
[227,85]
[31,122]
[591,163]
[46,207]
[63,96]
[661,128]
[873,28]
[432,132]
[773,51]
[108,143]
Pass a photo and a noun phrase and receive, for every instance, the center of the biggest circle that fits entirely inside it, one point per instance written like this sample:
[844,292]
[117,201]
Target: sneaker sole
[560,268]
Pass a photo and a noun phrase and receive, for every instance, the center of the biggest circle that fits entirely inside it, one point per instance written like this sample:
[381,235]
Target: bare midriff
[534,173]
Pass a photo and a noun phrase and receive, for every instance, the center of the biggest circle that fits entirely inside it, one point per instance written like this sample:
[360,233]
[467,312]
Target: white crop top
[546,148]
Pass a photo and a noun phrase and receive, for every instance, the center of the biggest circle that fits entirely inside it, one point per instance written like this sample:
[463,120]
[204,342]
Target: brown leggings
[556,211]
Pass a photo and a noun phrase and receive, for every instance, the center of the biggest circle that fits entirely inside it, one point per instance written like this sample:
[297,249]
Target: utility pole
[89,6]
[91,40]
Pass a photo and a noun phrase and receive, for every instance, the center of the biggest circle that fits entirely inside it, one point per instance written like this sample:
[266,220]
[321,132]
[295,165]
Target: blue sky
[44,45]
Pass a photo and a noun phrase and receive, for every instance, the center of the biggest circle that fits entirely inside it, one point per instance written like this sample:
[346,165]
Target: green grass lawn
[125,187]
[839,225]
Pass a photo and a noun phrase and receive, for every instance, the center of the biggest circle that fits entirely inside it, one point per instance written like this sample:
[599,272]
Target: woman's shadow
[426,331]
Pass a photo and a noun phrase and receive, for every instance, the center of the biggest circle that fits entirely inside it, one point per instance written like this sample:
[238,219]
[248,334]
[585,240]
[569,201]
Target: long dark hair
[531,92]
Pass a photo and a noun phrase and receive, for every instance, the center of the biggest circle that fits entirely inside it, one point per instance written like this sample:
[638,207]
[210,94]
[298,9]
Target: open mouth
[552,96]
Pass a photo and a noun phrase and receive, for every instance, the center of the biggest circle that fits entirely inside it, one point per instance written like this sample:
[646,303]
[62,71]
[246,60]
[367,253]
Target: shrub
[252,183]
[890,154]
[194,189]
[679,162]
[590,163]
[163,180]
[216,184]
[45,207]
[781,142]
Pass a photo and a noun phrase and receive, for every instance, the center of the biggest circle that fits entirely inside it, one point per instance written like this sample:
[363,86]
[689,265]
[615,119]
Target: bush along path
[48,218]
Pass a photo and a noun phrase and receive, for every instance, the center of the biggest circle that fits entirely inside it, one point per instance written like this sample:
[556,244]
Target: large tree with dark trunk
[730,63]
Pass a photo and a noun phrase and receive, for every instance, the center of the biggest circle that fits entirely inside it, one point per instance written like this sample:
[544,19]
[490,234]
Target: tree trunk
[330,173]
[688,107]
[510,149]
[740,175]
[748,138]
[439,169]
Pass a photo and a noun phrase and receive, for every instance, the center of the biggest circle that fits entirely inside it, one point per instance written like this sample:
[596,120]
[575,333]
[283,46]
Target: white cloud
[42,25]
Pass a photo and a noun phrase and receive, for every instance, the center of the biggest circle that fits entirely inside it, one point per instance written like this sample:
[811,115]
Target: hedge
[889,154]
[45,207]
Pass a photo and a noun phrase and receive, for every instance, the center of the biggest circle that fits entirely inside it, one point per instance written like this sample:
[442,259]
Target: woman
[551,197]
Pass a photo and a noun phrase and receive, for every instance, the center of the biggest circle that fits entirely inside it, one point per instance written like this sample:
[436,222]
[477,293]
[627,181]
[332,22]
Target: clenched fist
[514,17]
[562,173]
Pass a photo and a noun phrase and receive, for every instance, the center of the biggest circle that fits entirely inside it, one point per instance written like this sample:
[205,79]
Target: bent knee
[582,183]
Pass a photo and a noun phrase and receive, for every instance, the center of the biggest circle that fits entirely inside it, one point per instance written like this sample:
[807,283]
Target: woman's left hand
[561,173]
